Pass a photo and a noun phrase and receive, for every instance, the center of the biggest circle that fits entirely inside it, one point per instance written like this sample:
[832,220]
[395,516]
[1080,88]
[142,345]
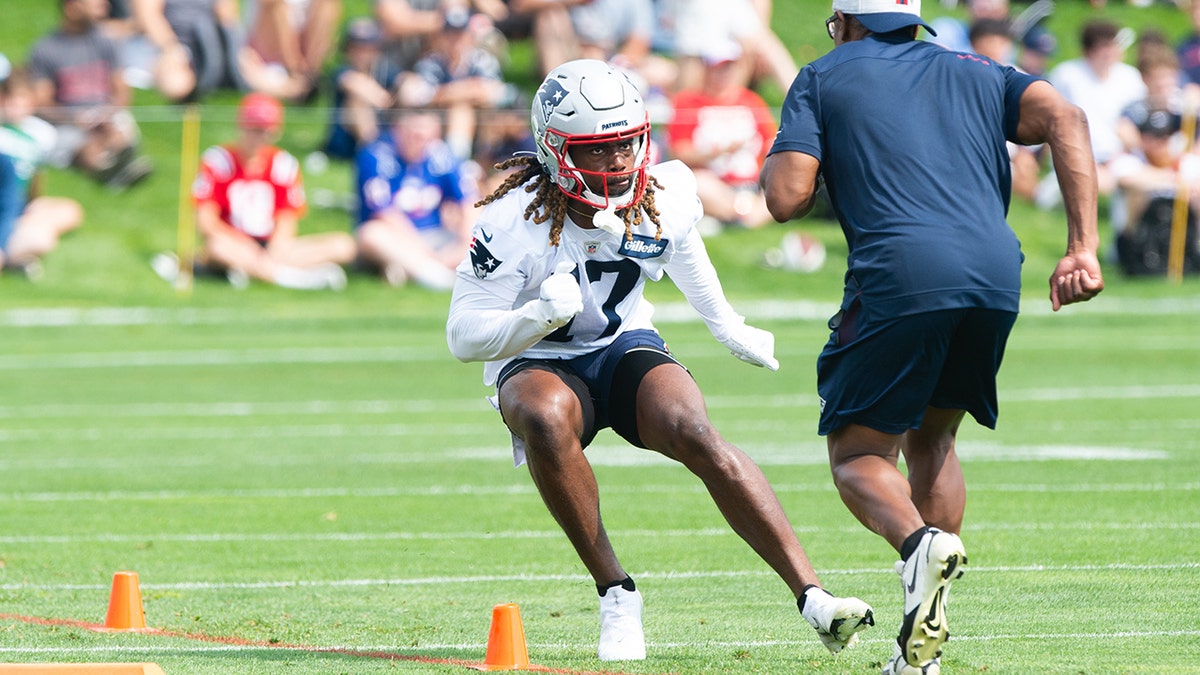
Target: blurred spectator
[992,38]
[512,21]
[407,25]
[701,23]
[249,200]
[1103,85]
[186,48]
[119,23]
[416,212]
[723,131]
[1189,48]
[1159,69]
[364,85]
[1038,46]
[78,85]
[503,133]
[458,76]
[293,37]
[30,223]
[618,31]
[955,34]
[1147,179]
[548,22]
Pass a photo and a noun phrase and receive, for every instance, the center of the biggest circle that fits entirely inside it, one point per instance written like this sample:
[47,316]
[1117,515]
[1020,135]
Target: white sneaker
[837,620]
[166,266]
[621,637]
[329,275]
[237,278]
[33,270]
[898,666]
[926,577]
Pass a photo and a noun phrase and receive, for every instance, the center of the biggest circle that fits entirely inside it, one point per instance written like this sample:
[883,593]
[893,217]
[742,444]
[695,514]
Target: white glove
[560,298]
[752,345]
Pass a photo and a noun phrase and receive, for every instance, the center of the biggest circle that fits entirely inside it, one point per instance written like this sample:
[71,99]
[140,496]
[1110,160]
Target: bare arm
[531,6]
[1046,117]
[208,219]
[398,19]
[789,182]
[148,14]
[287,227]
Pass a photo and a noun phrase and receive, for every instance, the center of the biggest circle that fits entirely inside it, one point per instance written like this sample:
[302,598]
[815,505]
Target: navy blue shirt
[911,141]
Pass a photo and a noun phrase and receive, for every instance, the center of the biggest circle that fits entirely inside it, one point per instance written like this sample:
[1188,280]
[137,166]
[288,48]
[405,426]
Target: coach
[910,141]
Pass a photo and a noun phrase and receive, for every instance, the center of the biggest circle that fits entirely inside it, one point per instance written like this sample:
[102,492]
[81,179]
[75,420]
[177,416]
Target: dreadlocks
[550,203]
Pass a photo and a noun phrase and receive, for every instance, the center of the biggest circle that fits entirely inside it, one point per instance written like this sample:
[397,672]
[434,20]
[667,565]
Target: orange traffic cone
[506,641]
[125,611]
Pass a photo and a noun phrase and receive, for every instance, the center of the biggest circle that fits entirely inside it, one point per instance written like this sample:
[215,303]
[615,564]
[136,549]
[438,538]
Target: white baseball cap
[884,16]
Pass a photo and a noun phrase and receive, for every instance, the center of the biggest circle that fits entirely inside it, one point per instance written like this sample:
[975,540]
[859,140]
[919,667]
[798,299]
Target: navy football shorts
[883,375]
[605,381]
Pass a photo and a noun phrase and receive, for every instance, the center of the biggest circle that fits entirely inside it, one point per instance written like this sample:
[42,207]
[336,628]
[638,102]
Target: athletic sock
[911,542]
[803,599]
[626,583]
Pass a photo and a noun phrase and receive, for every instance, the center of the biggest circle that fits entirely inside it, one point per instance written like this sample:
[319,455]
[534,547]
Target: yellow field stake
[1179,217]
[185,235]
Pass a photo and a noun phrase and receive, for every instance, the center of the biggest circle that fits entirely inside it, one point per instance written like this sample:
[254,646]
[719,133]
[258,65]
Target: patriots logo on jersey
[549,95]
[482,260]
[643,246]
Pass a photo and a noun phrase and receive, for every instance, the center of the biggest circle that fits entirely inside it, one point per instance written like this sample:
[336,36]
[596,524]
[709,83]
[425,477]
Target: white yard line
[541,578]
[520,535]
[665,312]
[424,405]
[523,489]
[426,647]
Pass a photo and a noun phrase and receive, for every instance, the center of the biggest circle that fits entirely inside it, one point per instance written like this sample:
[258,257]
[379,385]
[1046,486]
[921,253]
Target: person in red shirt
[723,131]
[249,200]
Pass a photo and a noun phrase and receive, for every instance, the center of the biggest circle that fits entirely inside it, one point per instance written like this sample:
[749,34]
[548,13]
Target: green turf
[290,470]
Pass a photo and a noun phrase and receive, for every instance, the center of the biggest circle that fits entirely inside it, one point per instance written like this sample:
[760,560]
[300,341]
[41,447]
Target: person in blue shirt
[31,223]
[909,139]
[415,214]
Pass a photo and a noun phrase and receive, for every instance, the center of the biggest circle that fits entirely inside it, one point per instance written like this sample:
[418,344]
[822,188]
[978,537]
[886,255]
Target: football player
[551,299]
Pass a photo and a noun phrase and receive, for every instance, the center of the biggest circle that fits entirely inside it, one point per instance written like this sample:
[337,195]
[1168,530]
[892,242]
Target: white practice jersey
[510,258]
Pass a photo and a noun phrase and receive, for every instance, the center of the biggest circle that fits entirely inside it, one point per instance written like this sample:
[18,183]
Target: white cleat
[621,637]
[898,666]
[926,576]
[837,621]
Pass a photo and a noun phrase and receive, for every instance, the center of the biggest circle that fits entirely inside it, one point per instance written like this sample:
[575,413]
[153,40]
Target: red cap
[259,111]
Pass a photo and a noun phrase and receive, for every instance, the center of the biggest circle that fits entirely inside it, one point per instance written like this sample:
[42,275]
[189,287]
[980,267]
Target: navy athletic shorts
[883,375]
[605,381]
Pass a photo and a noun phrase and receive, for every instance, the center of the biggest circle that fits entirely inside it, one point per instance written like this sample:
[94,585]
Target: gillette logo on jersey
[643,246]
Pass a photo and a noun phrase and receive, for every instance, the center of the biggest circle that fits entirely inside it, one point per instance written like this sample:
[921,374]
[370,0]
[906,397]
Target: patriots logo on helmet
[482,260]
[549,95]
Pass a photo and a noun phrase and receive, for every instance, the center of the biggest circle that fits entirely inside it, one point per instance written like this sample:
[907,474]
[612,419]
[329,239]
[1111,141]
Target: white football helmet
[590,101]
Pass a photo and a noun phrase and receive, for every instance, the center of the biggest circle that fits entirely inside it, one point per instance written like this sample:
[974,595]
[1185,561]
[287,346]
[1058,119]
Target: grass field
[310,483]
